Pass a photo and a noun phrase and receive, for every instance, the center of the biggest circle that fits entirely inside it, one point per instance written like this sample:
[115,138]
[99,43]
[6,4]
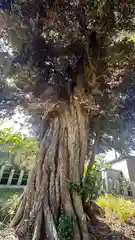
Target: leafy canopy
[80,48]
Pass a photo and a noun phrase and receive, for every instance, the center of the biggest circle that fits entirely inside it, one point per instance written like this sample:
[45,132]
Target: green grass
[117,207]
[5,194]
[9,200]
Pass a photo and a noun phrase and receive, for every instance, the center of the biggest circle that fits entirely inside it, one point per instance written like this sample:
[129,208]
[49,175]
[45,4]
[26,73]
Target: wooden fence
[12,178]
[119,187]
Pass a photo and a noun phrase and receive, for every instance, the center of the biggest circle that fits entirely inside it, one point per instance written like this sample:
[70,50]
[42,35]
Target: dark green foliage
[52,48]
[74,187]
[65,226]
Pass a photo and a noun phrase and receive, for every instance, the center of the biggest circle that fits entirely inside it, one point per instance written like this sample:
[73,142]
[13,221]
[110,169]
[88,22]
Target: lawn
[6,194]
[118,207]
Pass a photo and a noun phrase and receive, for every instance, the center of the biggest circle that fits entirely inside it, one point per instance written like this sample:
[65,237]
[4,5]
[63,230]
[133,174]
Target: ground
[105,227]
[108,229]
[100,228]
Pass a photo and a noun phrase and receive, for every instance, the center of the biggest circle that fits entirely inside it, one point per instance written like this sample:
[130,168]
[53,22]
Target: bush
[65,226]
[92,183]
[117,206]
[91,187]
[9,200]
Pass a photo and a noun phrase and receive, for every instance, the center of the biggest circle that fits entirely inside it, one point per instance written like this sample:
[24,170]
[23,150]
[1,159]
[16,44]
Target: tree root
[92,209]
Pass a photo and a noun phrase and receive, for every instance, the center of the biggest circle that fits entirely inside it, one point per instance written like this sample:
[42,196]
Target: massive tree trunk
[62,155]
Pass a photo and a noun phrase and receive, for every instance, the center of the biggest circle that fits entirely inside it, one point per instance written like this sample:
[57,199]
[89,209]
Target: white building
[126,165]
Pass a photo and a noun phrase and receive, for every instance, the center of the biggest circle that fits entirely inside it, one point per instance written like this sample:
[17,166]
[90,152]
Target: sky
[19,122]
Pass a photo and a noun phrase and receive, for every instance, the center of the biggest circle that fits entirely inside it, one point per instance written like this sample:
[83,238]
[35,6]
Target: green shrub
[117,206]
[65,226]
[91,187]
[9,200]
[92,183]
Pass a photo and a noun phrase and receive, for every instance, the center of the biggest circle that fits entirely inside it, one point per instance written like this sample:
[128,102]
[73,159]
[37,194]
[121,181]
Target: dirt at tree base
[112,229]
[8,234]
[99,228]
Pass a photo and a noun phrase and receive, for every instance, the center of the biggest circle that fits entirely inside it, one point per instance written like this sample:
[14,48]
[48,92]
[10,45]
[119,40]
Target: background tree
[69,57]
[22,150]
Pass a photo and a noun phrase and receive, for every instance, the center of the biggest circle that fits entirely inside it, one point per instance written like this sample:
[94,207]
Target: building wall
[122,166]
[111,173]
[131,168]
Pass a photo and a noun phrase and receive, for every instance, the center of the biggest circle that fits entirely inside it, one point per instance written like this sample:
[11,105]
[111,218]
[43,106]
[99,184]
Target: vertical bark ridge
[61,158]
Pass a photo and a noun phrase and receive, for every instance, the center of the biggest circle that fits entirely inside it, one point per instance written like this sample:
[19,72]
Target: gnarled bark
[61,158]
